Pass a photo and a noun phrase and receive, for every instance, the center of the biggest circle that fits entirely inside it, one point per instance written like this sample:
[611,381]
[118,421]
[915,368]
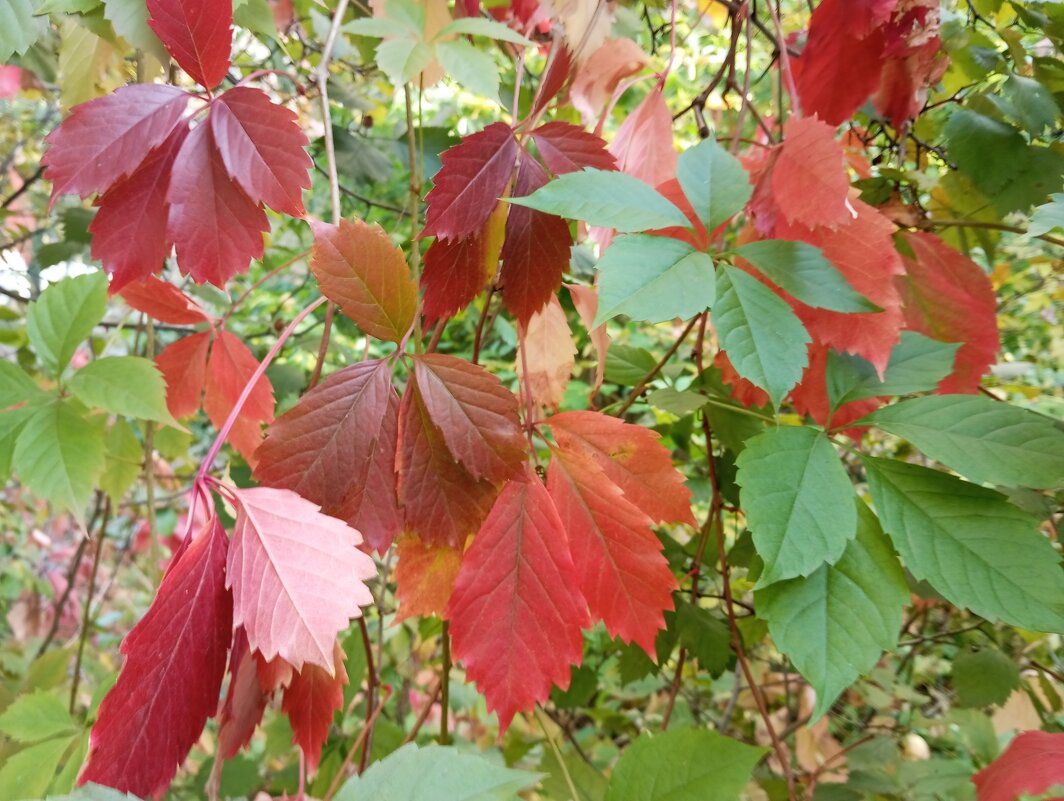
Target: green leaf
[607,198]
[678,403]
[257,17]
[970,544]
[627,365]
[654,278]
[983,439]
[798,500]
[706,636]
[469,66]
[19,29]
[64,316]
[67,6]
[16,386]
[835,623]
[124,456]
[802,271]
[917,364]
[1030,103]
[984,678]
[60,455]
[714,182]
[94,792]
[479,26]
[683,765]
[436,773]
[379,28]
[38,716]
[130,21]
[589,783]
[28,773]
[1046,218]
[764,339]
[402,59]
[127,385]
[12,422]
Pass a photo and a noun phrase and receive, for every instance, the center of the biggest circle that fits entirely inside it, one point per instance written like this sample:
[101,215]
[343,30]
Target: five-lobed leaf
[714,182]
[917,364]
[63,317]
[127,385]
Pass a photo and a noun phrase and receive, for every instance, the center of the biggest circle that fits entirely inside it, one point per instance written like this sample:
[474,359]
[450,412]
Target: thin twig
[650,376]
[86,617]
[342,773]
[371,692]
[445,684]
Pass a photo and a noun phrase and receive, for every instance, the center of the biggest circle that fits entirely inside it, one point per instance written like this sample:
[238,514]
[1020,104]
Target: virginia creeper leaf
[170,681]
[124,460]
[31,770]
[230,367]
[63,317]
[125,385]
[516,612]
[705,636]
[296,576]
[568,148]
[162,301]
[547,356]
[311,701]
[714,182]
[360,270]
[970,544]
[197,33]
[18,28]
[474,412]
[798,501]
[1048,216]
[129,18]
[455,271]
[262,148]
[916,364]
[643,144]
[1033,763]
[479,26]
[424,577]
[36,716]
[403,58]
[16,386]
[469,66]
[835,623]
[183,364]
[245,700]
[763,338]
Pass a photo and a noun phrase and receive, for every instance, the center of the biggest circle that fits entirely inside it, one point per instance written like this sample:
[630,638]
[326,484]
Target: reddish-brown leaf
[556,73]
[336,448]
[622,573]
[474,412]
[537,249]
[442,503]
[107,138]
[262,148]
[169,684]
[244,702]
[366,275]
[216,227]
[568,148]
[424,577]
[274,674]
[585,301]
[474,175]
[597,79]
[516,612]
[162,301]
[632,458]
[296,575]
[546,356]
[643,144]
[184,367]
[1032,764]
[229,369]
[948,297]
[311,701]
[129,231]
[197,33]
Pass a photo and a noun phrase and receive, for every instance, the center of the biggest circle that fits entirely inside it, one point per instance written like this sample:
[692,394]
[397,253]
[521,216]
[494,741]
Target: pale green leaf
[1047,217]
[835,623]
[627,365]
[480,26]
[764,339]
[94,792]
[37,716]
[409,13]
[917,364]
[127,385]
[436,773]
[60,455]
[402,59]
[378,28]
[679,403]
[124,456]
[984,678]
[12,422]
[28,773]
[606,198]
[67,778]
[64,316]
[19,29]
[970,544]
[801,270]
[985,440]
[653,278]
[16,386]
[68,6]
[798,500]
[257,17]
[683,765]
[469,66]
[714,182]
[130,21]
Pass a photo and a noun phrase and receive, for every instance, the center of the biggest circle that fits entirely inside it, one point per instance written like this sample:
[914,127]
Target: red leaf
[546,356]
[296,575]
[129,231]
[162,301]
[442,503]
[229,369]
[262,148]
[516,614]
[197,33]
[366,275]
[585,301]
[1032,764]
[568,148]
[336,448]
[559,65]
[216,227]
[597,79]
[184,367]
[948,297]
[537,249]
[632,458]
[244,702]
[621,571]
[107,138]
[474,176]
[311,701]
[274,674]
[474,412]
[424,577]
[169,684]
[643,144]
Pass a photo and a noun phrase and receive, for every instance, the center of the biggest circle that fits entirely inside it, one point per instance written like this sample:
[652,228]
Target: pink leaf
[1032,764]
